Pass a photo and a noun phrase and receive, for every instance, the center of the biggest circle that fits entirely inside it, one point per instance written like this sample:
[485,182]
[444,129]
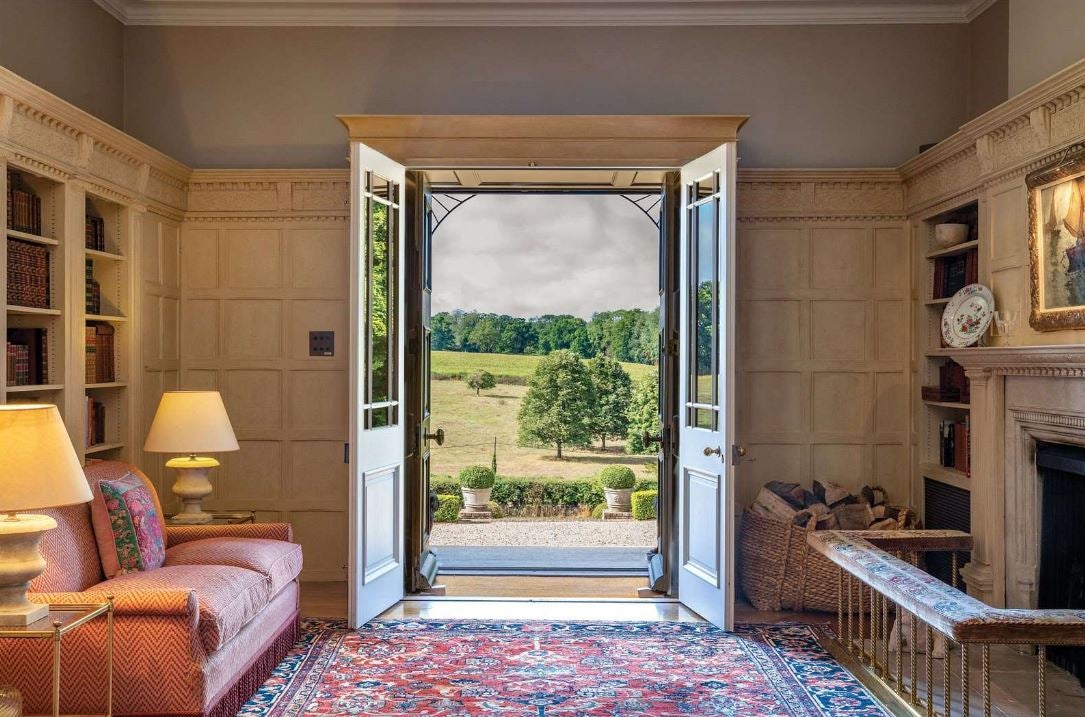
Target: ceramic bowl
[947,235]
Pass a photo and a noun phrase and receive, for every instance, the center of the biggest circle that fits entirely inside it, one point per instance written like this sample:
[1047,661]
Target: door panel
[376,385]
[706,386]
[421,562]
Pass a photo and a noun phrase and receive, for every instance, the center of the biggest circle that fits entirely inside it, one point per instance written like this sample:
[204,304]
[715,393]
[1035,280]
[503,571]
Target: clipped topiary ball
[597,511]
[477,477]
[644,504]
[617,478]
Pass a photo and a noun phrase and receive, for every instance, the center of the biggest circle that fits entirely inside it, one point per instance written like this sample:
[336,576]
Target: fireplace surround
[1020,397]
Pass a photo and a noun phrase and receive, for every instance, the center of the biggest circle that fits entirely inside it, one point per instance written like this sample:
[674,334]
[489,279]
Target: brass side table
[236,517]
[61,620]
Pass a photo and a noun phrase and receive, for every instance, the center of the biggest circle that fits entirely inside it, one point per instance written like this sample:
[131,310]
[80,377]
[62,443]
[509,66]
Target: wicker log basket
[777,568]
[779,571]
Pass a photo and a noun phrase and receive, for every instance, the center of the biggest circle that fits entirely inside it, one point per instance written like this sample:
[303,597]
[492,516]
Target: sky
[532,254]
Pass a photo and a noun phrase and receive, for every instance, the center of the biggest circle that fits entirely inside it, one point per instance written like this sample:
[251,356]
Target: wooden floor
[545,598]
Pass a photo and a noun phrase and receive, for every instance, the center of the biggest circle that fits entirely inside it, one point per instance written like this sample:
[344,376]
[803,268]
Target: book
[28,273]
[94,234]
[35,343]
[93,290]
[90,349]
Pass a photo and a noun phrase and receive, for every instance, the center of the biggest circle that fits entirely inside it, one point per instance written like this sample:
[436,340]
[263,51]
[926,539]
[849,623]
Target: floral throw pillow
[126,526]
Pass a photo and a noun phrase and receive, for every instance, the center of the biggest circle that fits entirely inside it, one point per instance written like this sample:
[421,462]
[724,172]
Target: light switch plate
[322,343]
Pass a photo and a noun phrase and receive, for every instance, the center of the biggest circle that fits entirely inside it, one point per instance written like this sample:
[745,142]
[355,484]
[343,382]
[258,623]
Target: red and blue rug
[560,669]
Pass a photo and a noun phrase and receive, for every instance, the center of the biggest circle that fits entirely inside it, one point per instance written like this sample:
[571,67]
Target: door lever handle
[712,451]
[439,436]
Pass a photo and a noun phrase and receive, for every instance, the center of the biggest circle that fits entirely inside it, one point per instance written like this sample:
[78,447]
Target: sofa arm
[177,534]
[165,602]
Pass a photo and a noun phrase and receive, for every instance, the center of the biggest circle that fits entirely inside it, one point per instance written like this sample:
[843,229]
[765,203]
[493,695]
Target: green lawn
[505,367]
[471,422]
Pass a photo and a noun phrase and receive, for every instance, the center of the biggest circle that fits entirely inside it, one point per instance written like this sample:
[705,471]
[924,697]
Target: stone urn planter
[619,499]
[476,482]
[617,483]
[476,498]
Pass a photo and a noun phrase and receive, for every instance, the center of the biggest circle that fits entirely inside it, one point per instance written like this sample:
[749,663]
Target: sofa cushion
[127,527]
[277,560]
[228,596]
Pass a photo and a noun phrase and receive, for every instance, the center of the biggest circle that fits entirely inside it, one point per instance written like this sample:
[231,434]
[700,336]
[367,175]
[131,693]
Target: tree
[486,334]
[556,409]
[613,391]
[441,336]
[643,412]
[480,380]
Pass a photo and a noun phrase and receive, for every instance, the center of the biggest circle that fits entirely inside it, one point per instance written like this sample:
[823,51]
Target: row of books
[28,274]
[94,291]
[953,273]
[24,207]
[95,232]
[27,357]
[95,422]
[952,385]
[100,357]
[955,445]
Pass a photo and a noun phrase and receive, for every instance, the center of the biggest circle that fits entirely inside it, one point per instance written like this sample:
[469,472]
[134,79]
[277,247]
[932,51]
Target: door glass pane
[703,283]
[381,306]
[380,301]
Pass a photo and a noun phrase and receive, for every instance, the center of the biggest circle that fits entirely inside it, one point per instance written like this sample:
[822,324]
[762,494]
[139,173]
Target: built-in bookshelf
[67,284]
[943,400]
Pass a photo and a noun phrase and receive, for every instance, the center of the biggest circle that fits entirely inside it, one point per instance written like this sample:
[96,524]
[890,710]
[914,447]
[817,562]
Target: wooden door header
[613,141]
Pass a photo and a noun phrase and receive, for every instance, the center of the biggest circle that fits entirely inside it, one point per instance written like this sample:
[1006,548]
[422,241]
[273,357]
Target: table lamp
[191,422]
[38,469]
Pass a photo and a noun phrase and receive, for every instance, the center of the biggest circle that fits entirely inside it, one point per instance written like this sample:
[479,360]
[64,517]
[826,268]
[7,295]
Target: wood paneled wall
[264,260]
[823,287]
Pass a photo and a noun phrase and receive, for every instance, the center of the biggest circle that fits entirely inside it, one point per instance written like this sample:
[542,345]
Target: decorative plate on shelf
[967,316]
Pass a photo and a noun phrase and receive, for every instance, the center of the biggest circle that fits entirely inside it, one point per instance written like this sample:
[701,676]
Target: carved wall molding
[267,218]
[1009,141]
[1044,361]
[1044,418]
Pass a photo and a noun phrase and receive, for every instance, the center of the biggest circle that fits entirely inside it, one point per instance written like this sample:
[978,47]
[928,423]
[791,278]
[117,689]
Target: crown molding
[564,13]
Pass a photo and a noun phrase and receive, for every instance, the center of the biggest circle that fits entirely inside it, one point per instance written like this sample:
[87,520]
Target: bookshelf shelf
[948,404]
[955,250]
[35,387]
[32,311]
[80,247]
[946,475]
[105,255]
[103,447]
[33,238]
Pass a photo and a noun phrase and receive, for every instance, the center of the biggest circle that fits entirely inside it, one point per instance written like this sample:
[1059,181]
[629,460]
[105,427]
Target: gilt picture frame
[1056,212]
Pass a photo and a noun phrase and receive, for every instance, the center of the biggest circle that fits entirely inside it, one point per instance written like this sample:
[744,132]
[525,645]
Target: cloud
[532,254]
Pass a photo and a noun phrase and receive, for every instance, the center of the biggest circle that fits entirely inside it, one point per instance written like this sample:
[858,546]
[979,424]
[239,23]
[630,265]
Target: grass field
[506,368]
[471,423]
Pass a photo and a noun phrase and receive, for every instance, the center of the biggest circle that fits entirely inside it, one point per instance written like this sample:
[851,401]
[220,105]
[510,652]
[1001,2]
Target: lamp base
[192,486]
[20,562]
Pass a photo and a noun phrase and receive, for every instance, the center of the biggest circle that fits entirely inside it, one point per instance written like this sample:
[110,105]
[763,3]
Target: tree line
[630,335]
[571,402]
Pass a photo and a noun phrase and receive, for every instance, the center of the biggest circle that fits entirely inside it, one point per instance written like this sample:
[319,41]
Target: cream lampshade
[38,469]
[191,422]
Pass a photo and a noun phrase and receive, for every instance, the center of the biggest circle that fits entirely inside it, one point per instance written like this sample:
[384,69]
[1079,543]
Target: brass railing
[880,586]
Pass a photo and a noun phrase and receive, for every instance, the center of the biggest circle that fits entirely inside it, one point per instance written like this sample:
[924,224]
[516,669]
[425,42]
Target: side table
[61,620]
[236,517]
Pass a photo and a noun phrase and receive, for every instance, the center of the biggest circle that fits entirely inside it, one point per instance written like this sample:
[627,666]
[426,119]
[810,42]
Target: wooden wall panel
[258,276]
[824,334]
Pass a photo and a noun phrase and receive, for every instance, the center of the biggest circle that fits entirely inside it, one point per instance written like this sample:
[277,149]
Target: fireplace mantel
[1058,360]
[988,369]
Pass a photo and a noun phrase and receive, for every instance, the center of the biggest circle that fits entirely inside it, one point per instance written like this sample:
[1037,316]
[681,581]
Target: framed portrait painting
[1056,196]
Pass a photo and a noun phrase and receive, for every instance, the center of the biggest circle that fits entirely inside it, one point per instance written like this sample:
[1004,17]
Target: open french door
[376,387]
[706,448]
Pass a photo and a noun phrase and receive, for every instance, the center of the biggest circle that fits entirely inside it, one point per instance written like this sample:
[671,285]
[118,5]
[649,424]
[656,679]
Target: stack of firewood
[830,506]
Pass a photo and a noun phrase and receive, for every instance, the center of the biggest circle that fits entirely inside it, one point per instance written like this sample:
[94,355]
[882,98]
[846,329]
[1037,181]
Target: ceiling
[575,13]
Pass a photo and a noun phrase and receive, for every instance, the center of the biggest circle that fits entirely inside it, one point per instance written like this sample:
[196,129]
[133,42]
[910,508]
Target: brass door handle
[712,451]
[740,451]
[439,436]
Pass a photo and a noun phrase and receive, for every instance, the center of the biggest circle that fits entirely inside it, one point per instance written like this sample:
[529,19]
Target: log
[854,517]
[885,524]
[775,506]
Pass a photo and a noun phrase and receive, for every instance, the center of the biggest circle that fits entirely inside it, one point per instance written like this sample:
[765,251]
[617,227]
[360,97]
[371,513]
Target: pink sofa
[197,636]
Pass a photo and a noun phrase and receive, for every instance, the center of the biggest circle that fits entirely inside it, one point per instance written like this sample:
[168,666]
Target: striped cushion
[278,561]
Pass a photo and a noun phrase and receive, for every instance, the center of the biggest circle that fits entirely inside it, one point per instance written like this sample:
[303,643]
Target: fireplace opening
[1061,469]
[946,507]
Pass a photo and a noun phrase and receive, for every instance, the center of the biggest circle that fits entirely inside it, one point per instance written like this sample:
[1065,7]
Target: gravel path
[554,533]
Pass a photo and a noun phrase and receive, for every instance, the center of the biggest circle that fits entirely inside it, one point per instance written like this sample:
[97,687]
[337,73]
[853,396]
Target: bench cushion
[278,561]
[228,597]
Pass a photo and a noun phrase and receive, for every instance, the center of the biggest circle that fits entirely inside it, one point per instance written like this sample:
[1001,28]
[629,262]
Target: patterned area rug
[566,669]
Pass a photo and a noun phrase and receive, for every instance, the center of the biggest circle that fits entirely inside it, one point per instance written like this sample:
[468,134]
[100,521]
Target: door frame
[644,142]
